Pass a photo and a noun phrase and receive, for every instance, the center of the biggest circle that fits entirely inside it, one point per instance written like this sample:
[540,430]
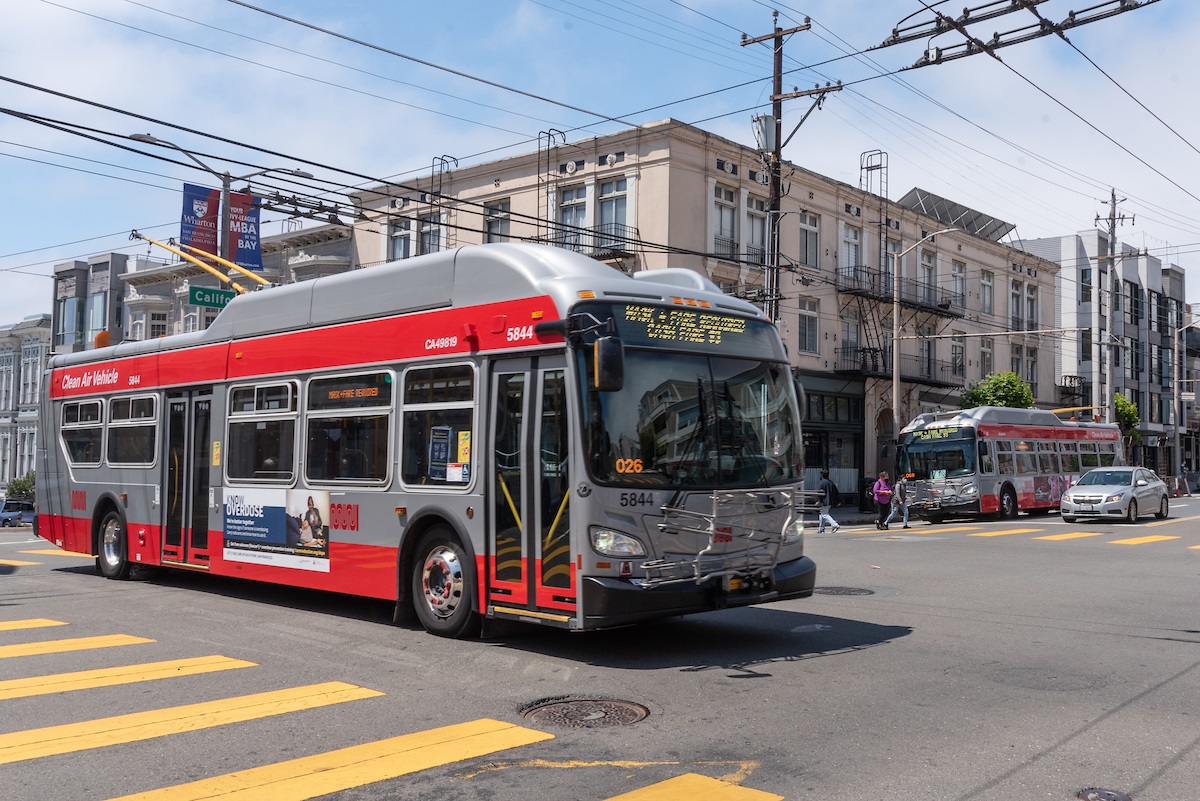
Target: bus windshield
[939,458]
[693,421]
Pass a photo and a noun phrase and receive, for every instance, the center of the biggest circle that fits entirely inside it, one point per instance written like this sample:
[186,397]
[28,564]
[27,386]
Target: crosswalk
[309,776]
[1119,536]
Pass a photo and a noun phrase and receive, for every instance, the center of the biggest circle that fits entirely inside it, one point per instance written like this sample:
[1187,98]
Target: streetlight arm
[151,140]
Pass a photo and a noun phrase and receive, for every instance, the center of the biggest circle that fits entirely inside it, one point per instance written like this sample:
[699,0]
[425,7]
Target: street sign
[1187,396]
[209,298]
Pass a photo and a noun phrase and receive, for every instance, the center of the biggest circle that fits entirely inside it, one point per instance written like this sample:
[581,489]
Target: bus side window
[261,440]
[986,464]
[439,410]
[1087,455]
[1070,456]
[1047,458]
[1004,458]
[1108,454]
[1026,456]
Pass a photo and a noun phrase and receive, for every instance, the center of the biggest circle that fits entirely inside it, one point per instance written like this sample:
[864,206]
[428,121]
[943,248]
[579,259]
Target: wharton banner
[244,248]
[201,216]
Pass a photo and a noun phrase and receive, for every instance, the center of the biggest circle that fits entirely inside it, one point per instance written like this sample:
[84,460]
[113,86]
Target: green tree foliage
[21,489]
[1128,419]
[998,389]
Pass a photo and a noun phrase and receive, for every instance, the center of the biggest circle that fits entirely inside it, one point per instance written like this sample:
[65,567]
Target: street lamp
[896,329]
[226,181]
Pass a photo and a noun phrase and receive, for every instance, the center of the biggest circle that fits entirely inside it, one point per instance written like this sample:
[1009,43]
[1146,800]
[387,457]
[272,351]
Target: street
[1024,659]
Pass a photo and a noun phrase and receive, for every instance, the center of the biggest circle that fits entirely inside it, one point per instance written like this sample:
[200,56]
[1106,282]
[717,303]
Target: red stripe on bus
[488,327]
[1048,432]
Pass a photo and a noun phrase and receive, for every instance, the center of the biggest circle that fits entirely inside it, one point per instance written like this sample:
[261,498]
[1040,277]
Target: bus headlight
[794,532]
[607,542]
[970,490]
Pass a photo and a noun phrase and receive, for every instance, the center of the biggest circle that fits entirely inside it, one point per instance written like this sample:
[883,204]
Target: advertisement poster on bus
[282,528]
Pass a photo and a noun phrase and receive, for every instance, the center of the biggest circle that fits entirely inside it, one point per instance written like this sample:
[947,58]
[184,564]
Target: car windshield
[1108,477]
[692,420]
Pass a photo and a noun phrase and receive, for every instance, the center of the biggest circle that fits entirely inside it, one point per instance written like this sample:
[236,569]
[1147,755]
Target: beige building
[24,349]
[671,195]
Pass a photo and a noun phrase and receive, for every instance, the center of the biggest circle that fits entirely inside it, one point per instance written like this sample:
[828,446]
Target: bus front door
[530,569]
[187,497]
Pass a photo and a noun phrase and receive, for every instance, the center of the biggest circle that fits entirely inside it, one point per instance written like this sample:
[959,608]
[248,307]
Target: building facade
[24,349]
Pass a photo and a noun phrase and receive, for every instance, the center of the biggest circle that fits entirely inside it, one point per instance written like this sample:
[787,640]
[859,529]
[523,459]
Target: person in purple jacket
[883,499]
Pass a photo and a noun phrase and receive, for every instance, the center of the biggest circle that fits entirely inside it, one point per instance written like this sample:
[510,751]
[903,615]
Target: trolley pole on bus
[226,182]
[896,424]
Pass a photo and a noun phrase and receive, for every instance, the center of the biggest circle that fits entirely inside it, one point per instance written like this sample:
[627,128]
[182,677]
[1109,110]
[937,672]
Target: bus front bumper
[957,506]
[609,601]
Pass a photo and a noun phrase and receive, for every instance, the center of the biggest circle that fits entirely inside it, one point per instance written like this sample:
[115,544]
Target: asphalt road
[1025,659]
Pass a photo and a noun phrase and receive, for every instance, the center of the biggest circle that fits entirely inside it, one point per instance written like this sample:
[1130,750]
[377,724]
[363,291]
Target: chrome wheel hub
[442,581]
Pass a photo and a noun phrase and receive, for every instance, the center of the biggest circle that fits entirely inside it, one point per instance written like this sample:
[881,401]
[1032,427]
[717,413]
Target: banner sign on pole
[201,217]
[244,247]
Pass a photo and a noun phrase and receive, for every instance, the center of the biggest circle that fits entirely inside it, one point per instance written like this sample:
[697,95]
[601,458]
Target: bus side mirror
[608,364]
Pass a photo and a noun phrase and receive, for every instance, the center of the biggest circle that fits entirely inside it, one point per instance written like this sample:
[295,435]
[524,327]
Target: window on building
[496,220]
[1134,309]
[68,322]
[429,233]
[756,236]
[958,355]
[1031,307]
[1018,356]
[572,216]
[96,315]
[810,240]
[1085,346]
[1085,285]
[809,326]
[958,283]
[850,328]
[928,277]
[725,242]
[1031,368]
[401,245]
[1154,310]
[987,292]
[158,324]
[927,352]
[613,201]
[851,251]
[1016,304]
[888,278]
[987,359]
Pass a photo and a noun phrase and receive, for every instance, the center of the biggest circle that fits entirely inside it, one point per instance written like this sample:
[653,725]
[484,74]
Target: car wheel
[442,580]
[1163,508]
[113,559]
[5,522]
[1131,514]
[1068,519]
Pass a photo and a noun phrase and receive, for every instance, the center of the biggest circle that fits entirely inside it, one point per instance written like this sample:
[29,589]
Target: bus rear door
[530,570]
[187,497]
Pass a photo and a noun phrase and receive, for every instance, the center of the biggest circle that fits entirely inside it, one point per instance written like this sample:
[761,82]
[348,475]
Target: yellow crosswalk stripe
[695,787]
[331,772]
[1143,540]
[17,563]
[74,644]
[108,677]
[59,552]
[1074,535]
[71,737]
[1005,532]
[31,623]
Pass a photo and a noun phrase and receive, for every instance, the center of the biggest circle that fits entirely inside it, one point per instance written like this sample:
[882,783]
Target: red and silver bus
[993,460]
[499,431]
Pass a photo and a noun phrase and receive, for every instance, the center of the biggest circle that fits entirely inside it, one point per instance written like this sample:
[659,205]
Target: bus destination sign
[684,325]
[927,434]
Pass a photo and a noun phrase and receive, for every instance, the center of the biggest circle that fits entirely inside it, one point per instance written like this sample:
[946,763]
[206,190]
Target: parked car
[1118,492]
[15,513]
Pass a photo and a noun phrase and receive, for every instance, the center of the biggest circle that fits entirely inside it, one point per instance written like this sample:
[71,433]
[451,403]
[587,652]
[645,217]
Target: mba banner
[244,248]
[201,216]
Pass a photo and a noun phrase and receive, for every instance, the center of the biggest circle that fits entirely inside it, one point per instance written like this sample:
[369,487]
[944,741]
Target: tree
[21,489]
[998,389]
[1127,421]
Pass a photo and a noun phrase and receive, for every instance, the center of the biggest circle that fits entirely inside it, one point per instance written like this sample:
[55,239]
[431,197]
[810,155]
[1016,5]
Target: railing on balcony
[608,240]
[878,285]
[756,255]
[725,247]
[914,369]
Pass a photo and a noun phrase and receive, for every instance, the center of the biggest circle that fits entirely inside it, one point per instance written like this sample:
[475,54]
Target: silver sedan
[1115,492]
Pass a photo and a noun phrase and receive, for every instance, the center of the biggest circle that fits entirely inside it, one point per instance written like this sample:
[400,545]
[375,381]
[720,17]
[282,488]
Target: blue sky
[1037,141]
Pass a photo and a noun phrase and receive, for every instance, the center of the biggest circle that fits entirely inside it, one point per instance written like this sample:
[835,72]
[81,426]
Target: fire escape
[870,291]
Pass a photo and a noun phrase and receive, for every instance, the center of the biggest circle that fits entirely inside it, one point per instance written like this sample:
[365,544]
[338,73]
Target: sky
[354,91]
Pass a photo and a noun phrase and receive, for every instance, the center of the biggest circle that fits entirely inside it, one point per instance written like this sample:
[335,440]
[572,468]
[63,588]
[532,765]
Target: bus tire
[1008,504]
[1131,514]
[442,579]
[1163,509]
[112,557]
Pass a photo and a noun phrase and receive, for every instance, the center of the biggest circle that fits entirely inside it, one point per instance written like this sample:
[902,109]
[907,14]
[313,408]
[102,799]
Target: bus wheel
[1008,503]
[441,584]
[113,560]
[1163,509]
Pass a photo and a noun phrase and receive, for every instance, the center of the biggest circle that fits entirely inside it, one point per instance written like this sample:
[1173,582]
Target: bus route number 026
[629,465]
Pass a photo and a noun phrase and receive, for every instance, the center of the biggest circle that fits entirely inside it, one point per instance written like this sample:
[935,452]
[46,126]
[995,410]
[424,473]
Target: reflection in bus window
[1047,457]
[261,445]
[1026,456]
[132,431]
[1108,454]
[1088,456]
[1004,458]
[1070,456]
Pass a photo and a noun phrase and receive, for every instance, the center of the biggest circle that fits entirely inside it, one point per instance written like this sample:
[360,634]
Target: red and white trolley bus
[990,459]
[499,431]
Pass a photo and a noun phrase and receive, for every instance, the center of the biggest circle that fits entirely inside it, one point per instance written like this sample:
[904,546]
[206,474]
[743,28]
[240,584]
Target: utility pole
[1114,289]
[776,149]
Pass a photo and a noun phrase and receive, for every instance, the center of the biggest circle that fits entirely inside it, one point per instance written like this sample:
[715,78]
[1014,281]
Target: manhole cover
[585,713]
[842,591]
[1097,794]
